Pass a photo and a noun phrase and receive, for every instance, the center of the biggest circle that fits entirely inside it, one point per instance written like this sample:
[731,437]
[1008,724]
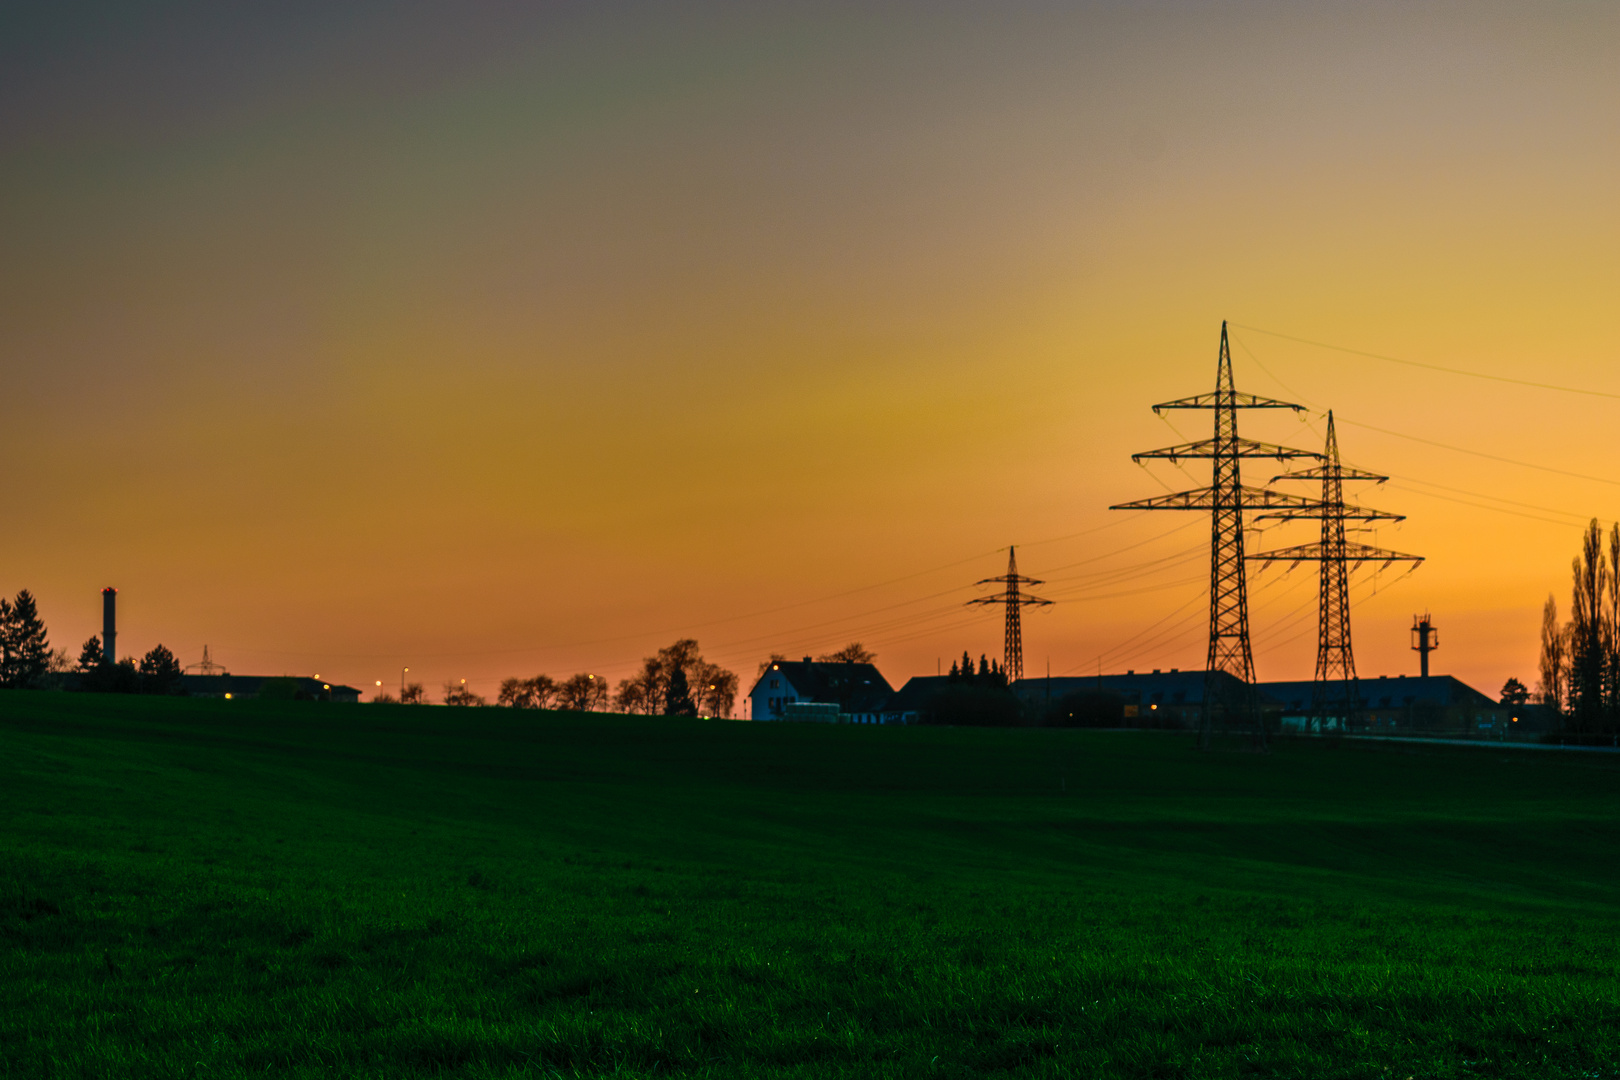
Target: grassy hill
[213,889]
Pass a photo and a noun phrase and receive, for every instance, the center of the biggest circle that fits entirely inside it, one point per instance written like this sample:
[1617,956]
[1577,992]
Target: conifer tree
[678,695]
[160,672]
[26,653]
[90,656]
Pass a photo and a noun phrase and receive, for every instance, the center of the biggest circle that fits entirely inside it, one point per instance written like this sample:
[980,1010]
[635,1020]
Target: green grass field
[217,889]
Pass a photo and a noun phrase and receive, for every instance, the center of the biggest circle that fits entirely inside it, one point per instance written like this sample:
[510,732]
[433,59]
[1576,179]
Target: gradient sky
[497,339]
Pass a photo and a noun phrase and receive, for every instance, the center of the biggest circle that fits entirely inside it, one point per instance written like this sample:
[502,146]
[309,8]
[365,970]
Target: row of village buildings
[858,693]
[831,692]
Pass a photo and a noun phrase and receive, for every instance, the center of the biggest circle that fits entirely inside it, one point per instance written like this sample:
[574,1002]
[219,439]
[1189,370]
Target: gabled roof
[914,696]
[1137,688]
[1388,693]
[852,687]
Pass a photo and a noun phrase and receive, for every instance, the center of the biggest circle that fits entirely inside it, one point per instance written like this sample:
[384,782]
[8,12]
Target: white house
[829,692]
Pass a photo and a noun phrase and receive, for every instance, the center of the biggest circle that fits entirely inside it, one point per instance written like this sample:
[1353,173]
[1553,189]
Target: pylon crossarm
[1227,400]
[1322,511]
[1002,598]
[1321,472]
[1314,552]
[1239,447]
[1249,498]
[1009,579]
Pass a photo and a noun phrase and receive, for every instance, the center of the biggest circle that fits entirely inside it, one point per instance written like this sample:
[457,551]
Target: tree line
[27,661]
[675,681]
[1580,659]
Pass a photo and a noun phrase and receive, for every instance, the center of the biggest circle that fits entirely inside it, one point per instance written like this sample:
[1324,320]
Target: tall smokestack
[109,625]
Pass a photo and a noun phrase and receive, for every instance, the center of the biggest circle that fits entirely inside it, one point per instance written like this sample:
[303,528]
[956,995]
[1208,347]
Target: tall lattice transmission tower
[1230,653]
[1335,692]
[1015,601]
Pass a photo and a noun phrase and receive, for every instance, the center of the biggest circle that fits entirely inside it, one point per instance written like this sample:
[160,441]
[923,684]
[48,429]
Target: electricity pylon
[1226,499]
[208,667]
[1335,691]
[1013,663]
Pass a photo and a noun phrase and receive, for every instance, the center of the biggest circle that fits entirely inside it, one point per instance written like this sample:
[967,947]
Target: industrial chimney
[109,625]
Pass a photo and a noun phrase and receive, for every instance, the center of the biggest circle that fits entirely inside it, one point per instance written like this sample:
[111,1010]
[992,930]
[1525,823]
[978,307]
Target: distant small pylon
[1013,661]
[207,667]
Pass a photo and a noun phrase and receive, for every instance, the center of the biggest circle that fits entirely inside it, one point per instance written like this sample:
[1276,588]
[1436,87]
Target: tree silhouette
[160,672]
[678,695]
[413,694]
[535,693]
[583,693]
[1587,647]
[643,692]
[1553,653]
[90,657]
[457,694]
[25,652]
[853,653]
[716,691]
[1514,692]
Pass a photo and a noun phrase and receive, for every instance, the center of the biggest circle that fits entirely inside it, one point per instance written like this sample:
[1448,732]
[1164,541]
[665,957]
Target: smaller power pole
[1013,660]
[208,667]
[1425,639]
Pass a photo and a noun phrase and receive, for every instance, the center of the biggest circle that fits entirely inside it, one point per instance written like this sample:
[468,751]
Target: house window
[774,684]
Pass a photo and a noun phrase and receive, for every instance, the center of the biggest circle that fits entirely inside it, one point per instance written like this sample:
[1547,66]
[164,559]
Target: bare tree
[682,654]
[1611,633]
[853,653]
[643,692]
[583,693]
[1587,647]
[716,692]
[535,693]
[413,694]
[457,694]
[677,681]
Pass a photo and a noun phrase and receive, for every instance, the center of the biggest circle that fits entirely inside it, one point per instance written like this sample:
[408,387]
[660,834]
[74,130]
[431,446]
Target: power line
[1482,454]
[1435,367]
[1419,439]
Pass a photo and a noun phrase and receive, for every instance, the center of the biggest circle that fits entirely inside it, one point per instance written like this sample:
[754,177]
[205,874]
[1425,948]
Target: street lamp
[402,672]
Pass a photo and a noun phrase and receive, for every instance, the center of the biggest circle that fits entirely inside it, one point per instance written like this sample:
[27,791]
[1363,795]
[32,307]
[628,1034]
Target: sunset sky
[496,338]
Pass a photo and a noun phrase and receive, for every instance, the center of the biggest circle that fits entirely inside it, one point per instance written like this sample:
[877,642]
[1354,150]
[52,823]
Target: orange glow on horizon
[775,330]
